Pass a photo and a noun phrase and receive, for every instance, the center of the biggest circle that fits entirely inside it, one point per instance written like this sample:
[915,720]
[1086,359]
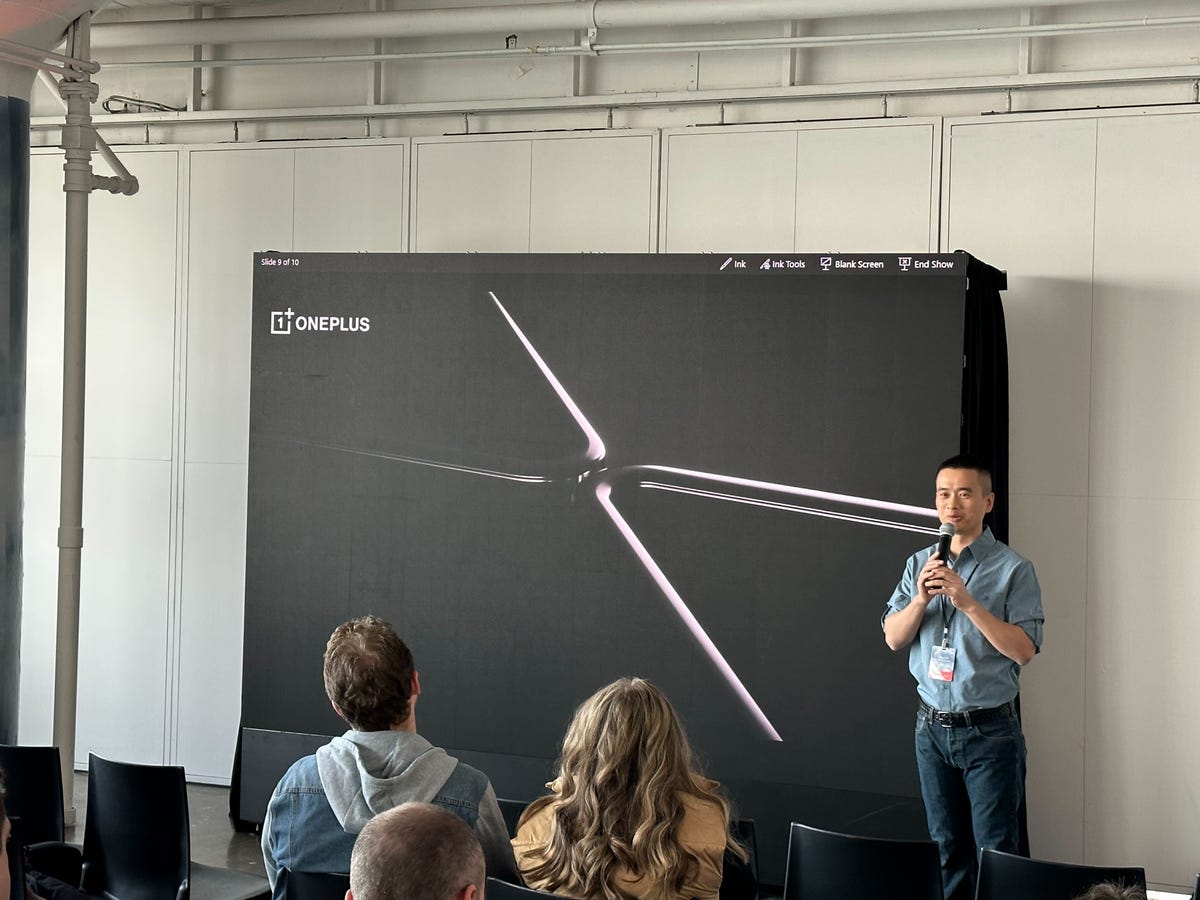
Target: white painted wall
[1091,213]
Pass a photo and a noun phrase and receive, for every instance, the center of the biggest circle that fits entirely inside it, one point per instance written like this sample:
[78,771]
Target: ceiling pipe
[528,17]
[759,43]
[653,99]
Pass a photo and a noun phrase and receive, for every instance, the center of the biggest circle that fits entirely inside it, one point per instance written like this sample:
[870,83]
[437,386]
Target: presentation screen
[551,471]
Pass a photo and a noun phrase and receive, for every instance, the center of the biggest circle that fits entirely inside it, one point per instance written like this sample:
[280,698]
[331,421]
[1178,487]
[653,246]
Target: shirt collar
[982,545]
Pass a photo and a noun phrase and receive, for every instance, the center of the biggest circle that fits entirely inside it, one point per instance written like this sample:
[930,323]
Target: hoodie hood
[366,772]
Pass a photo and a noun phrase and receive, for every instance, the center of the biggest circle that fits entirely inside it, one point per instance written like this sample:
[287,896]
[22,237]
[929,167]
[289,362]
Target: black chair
[511,810]
[495,889]
[16,869]
[1004,875]
[136,840]
[824,865]
[313,885]
[1196,891]
[34,791]
[34,794]
[743,830]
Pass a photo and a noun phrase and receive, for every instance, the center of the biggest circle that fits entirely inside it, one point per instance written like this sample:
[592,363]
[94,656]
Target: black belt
[971,717]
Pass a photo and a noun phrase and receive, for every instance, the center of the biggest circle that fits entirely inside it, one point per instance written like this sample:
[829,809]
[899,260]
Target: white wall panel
[39,599]
[471,196]
[866,189]
[43,439]
[1143,724]
[240,202]
[593,195]
[131,333]
[210,619]
[1142,720]
[1039,230]
[351,198]
[123,609]
[729,190]
[133,249]
[1052,531]
[43,367]
[1146,392]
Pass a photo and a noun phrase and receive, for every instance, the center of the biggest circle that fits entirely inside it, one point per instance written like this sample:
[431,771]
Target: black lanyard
[946,620]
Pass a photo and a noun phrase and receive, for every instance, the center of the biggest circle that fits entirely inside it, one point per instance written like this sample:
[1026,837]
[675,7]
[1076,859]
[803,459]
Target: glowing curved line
[595,448]
[603,490]
[787,507]
[790,490]
[420,461]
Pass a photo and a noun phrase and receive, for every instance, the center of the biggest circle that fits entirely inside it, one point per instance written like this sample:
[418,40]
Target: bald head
[416,851]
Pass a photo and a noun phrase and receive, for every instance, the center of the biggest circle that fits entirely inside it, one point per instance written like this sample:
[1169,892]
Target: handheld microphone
[945,533]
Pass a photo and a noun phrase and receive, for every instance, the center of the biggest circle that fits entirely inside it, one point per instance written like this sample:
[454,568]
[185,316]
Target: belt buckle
[945,719]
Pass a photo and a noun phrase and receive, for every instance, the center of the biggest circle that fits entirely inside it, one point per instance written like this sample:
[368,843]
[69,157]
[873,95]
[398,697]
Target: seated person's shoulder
[302,774]
[534,830]
[703,821]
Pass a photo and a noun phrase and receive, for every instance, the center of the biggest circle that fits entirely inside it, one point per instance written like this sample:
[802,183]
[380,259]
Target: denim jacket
[323,801]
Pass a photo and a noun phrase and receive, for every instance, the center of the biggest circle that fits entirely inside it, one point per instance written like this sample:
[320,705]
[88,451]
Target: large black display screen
[551,471]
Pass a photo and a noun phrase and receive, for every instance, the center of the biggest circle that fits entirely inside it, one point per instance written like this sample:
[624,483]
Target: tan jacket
[702,831]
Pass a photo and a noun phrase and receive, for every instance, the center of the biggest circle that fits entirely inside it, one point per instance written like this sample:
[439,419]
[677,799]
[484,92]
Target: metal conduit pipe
[758,43]
[123,182]
[79,92]
[651,99]
[566,16]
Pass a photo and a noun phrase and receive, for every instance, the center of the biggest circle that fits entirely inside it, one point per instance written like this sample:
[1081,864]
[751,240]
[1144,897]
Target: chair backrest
[16,870]
[1196,891]
[1004,875]
[495,889]
[511,810]
[313,885]
[136,842]
[823,864]
[743,830]
[34,791]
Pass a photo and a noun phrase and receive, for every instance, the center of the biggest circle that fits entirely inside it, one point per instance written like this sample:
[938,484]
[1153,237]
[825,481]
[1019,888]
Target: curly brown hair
[369,674]
[626,764]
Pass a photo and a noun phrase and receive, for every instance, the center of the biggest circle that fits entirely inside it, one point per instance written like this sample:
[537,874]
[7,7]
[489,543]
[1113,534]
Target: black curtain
[985,408]
[985,383]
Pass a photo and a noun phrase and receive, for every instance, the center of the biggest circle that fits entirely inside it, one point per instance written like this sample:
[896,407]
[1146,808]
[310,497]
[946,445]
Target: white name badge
[941,664]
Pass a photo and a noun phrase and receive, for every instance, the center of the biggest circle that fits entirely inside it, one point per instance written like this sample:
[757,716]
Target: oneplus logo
[281,322]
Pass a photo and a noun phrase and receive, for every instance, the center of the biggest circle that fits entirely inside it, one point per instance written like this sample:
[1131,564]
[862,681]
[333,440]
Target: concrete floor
[214,842]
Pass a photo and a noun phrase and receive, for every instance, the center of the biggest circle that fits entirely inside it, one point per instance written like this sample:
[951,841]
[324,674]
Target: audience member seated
[629,815]
[1107,891]
[416,851]
[324,801]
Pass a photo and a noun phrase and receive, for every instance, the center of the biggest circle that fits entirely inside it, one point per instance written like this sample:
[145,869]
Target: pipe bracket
[70,538]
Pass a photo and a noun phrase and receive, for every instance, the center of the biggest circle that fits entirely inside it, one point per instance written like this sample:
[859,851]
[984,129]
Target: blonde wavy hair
[626,765]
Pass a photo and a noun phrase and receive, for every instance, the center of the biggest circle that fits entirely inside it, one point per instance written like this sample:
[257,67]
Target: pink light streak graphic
[603,490]
[595,448]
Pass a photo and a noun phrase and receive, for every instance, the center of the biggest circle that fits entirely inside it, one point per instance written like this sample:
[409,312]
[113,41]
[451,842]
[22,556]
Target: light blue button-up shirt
[1004,583]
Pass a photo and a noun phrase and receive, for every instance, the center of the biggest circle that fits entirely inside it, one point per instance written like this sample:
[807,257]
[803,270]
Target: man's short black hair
[968,461]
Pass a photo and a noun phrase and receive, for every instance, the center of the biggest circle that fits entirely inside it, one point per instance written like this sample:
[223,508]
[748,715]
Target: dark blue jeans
[972,779]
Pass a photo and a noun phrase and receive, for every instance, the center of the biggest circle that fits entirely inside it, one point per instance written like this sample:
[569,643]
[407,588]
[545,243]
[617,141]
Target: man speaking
[971,616]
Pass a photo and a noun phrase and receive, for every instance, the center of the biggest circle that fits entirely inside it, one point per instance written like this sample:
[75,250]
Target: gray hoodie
[363,773]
